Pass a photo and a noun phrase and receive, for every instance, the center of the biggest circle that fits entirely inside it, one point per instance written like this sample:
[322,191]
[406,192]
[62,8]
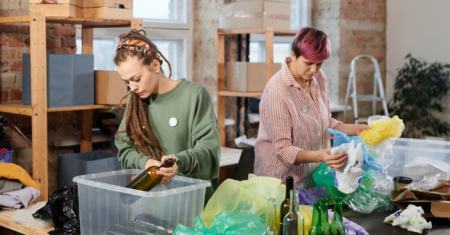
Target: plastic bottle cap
[403,180]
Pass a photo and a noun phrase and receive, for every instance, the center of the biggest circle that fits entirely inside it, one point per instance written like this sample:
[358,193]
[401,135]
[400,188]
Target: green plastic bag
[247,196]
[224,223]
[322,177]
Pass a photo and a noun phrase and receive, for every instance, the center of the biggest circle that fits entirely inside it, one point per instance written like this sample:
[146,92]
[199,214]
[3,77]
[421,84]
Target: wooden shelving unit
[38,109]
[220,53]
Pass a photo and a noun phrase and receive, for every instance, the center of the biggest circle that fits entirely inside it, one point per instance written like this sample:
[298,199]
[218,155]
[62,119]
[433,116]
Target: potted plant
[420,89]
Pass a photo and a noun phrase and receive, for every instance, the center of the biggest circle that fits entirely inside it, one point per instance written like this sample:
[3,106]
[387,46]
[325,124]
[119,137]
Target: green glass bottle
[324,216]
[290,221]
[285,205]
[337,226]
[316,225]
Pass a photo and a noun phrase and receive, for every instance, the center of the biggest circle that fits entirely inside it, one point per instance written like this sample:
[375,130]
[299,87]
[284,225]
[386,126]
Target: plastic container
[75,164]
[6,157]
[406,150]
[400,181]
[164,207]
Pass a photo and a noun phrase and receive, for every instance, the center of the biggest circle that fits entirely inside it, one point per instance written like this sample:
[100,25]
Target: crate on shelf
[70,80]
[107,13]
[7,156]
[247,77]
[64,8]
[127,4]
[109,87]
[103,209]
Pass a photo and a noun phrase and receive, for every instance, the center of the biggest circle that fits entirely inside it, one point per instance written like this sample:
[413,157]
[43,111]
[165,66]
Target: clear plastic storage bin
[405,150]
[104,211]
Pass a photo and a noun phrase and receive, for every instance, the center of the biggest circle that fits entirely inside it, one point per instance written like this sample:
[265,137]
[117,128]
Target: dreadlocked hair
[137,125]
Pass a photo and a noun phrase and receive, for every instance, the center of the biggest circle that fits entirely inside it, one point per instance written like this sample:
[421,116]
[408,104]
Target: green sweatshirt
[194,140]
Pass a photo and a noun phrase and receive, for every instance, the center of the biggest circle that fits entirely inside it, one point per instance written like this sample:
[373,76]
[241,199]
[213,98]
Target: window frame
[160,30]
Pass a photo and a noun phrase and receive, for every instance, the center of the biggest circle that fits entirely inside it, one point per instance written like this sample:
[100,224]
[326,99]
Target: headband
[140,46]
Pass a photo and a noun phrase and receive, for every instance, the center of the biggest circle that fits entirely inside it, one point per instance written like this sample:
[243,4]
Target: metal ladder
[376,82]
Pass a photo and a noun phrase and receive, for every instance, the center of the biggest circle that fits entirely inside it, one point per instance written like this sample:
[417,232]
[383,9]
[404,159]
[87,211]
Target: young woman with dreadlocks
[164,118]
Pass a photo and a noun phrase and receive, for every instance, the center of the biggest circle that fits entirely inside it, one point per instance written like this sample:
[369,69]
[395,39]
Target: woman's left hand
[167,172]
[352,129]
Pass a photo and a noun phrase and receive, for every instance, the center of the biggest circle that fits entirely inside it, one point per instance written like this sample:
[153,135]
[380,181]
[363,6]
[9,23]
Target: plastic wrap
[425,185]
[247,196]
[225,223]
[25,216]
[410,219]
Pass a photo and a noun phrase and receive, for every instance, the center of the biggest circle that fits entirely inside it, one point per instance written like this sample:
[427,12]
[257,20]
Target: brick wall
[355,27]
[15,40]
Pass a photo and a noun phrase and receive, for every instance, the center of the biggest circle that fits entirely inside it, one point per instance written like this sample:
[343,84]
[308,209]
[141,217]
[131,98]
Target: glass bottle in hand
[148,179]
[145,181]
[285,205]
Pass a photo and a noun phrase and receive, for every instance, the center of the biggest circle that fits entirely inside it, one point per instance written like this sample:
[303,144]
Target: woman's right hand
[335,161]
[152,162]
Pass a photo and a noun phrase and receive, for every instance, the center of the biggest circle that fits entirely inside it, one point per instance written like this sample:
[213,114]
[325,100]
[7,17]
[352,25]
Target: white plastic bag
[410,219]
[25,216]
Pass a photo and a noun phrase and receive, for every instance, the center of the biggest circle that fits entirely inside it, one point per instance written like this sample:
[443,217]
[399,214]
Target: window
[168,23]
[168,11]
[281,48]
[300,14]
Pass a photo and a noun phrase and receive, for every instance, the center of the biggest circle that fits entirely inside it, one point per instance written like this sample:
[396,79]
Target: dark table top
[374,225]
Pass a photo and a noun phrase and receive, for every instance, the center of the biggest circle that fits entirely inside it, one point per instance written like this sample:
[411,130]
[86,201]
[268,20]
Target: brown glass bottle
[145,181]
[285,205]
[148,179]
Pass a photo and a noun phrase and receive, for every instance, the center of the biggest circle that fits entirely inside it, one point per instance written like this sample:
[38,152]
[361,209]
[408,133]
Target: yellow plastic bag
[383,129]
[247,196]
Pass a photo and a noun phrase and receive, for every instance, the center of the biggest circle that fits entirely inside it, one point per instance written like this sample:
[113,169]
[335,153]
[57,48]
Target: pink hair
[312,44]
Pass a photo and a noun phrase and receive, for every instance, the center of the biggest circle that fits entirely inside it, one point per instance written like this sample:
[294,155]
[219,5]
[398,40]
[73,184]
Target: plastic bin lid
[89,181]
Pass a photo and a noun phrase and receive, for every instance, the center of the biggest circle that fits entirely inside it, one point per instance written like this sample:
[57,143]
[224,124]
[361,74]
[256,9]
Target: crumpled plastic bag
[369,162]
[365,199]
[25,216]
[306,197]
[410,219]
[247,196]
[63,209]
[383,129]
[226,222]
[351,228]
[306,212]
[349,178]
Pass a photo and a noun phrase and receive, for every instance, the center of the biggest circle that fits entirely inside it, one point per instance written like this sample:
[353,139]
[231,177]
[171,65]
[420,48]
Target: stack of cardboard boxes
[257,14]
[92,9]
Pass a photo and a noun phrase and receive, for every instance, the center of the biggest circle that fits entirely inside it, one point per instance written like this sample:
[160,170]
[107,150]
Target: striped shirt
[292,121]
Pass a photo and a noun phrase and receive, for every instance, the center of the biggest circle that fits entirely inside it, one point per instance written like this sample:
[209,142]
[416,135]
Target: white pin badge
[173,122]
[305,108]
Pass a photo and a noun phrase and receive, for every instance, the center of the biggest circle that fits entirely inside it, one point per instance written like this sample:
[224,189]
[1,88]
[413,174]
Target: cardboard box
[247,77]
[109,87]
[70,80]
[59,10]
[432,208]
[78,3]
[128,4]
[108,13]
[256,15]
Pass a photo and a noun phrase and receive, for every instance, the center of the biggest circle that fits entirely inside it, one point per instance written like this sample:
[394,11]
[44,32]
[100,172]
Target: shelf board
[97,106]
[16,109]
[15,19]
[250,31]
[240,94]
[97,23]
[26,110]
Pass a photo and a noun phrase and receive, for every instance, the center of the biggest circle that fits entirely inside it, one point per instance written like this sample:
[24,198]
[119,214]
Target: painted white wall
[418,27]
[421,28]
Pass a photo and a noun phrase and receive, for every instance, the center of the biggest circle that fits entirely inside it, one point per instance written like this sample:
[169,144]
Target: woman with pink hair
[293,138]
